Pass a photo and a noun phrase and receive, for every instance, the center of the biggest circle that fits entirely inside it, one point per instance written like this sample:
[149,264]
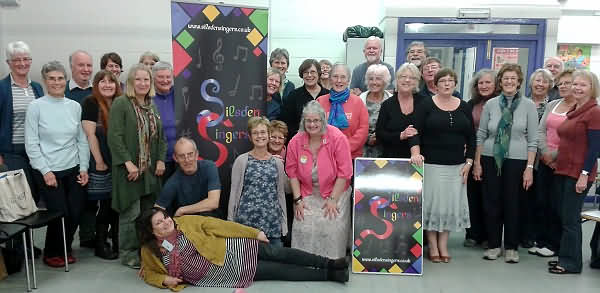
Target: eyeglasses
[432,67]
[273,137]
[565,83]
[446,80]
[312,72]
[188,156]
[20,60]
[312,121]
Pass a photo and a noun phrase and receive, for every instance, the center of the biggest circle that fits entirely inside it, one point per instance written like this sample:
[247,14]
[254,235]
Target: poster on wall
[219,64]
[576,56]
[387,221]
[501,56]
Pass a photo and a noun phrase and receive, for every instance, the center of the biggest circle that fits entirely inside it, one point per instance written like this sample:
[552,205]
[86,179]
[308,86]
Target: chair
[7,232]
[40,219]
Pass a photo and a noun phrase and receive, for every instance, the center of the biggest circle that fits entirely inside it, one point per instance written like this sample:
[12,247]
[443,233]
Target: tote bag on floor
[16,201]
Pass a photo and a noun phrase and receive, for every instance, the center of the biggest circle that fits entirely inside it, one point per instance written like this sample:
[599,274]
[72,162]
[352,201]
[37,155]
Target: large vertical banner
[387,217]
[219,62]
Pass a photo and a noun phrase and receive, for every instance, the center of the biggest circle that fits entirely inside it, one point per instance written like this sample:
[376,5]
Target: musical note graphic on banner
[233,91]
[186,99]
[218,58]
[199,63]
[241,49]
[256,92]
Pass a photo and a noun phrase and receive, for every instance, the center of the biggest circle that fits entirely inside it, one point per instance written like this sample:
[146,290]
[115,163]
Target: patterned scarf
[337,117]
[146,126]
[174,266]
[502,140]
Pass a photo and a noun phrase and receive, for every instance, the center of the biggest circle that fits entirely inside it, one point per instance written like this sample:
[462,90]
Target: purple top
[166,107]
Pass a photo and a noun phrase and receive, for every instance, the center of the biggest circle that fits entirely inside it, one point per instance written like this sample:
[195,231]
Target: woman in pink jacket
[319,166]
[346,111]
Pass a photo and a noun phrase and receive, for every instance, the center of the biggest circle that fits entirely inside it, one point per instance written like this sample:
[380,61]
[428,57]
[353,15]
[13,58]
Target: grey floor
[466,273]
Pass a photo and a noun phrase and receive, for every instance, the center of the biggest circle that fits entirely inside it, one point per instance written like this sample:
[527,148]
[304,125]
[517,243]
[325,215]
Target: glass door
[519,52]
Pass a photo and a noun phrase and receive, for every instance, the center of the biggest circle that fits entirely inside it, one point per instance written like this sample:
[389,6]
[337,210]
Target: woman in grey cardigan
[258,186]
[506,148]
[555,113]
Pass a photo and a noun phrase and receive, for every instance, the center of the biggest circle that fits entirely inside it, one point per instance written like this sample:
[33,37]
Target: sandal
[560,270]
[445,259]
[435,258]
[552,263]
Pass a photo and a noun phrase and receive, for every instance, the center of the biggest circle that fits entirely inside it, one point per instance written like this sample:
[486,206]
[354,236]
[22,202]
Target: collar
[325,139]
[167,95]
[12,81]
[73,85]
[578,111]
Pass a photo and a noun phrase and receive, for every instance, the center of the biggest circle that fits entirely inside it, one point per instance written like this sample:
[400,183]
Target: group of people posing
[108,152]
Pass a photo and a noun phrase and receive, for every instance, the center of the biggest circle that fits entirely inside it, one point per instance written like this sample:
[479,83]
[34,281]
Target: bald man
[555,66]
[80,85]
[194,188]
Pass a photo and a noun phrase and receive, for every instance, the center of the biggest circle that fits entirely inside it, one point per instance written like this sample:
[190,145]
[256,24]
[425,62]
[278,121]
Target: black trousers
[106,215]
[571,202]
[501,201]
[475,196]
[289,264]
[547,215]
[528,206]
[69,198]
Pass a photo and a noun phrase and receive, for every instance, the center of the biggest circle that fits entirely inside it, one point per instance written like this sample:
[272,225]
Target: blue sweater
[54,138]
[6,112]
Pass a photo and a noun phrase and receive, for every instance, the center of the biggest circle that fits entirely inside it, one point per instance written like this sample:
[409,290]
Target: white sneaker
[492,254]
[533,250]
[545,252]
[511,256]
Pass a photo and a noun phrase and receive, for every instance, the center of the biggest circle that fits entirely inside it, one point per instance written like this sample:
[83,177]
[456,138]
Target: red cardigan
[358,122]
[573,133]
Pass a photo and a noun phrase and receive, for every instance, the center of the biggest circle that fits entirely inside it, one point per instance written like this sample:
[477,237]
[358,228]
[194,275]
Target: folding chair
[7,232]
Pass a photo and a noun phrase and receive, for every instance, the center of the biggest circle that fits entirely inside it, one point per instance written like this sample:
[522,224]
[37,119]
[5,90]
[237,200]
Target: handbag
[99,183]
[16,201]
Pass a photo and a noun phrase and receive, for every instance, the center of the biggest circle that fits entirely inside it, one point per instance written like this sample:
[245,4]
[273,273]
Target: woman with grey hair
[540,82]
[325,79]
[58,149]
[397,114]
[280,59]
[17,91]
[345,110]
[149,58]
[319,166]
[483,88]
[273,98]
[377,79]
[162,72]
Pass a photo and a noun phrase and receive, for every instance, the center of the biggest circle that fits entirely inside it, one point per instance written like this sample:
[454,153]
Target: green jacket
[124,146]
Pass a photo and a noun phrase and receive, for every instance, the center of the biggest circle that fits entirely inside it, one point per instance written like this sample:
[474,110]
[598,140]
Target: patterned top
[237,272]
[259,204]
[372,151]
[541,108]
[21,99]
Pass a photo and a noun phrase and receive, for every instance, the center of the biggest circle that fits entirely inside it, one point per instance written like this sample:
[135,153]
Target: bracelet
[331,198]
[297,200]
[530,166]
[584,172]
[469,163]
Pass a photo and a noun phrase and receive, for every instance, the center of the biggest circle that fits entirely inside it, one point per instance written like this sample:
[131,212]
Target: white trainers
[545,252]
[533,250]
[511,256]
[492,254]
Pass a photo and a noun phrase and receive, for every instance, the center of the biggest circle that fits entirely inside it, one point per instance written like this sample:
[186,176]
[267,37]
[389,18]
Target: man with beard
[372,53]
[416,53]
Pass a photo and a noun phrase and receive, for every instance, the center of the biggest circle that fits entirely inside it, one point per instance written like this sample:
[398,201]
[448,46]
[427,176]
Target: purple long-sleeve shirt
[166,106]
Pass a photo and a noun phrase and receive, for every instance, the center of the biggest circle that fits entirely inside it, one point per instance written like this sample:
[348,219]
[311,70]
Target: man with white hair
[555,66]
[372,51]
[80,85]
[416,53]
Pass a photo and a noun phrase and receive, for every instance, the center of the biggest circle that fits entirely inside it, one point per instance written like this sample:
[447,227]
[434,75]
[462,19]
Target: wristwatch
[298,200]
[584,172]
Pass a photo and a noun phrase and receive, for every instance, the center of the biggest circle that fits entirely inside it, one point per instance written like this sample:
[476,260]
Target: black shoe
[105,252]
[341,276]
[528,244]
[340,263]
[88,244]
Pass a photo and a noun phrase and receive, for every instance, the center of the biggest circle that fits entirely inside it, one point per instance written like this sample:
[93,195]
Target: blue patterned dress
[259,204]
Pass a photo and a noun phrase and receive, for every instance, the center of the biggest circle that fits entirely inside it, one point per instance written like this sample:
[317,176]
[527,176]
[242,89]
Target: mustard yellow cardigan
[208,236]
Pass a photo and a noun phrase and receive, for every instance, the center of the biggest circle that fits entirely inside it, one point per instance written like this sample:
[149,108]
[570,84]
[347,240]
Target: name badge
[303,159]
[167,245]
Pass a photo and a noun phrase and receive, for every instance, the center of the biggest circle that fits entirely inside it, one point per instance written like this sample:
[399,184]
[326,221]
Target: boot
[102,250]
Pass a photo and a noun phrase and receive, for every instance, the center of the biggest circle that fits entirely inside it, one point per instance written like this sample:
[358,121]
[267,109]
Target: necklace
[451,118]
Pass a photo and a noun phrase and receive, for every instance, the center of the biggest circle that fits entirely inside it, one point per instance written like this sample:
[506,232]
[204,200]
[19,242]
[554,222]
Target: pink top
[333,161]
[553,121]
[358,122]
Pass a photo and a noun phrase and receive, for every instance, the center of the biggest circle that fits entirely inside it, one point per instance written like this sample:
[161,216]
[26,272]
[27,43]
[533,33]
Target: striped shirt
[21,99]
[237,272]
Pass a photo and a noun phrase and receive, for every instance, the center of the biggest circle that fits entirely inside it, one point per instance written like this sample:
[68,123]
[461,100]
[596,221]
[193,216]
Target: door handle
[488,50]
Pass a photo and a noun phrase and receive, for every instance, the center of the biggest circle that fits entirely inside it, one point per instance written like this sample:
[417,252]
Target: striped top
[21,99]
[238,271]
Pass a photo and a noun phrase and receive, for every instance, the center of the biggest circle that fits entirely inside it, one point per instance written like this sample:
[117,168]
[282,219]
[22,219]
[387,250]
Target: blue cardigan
[6,112]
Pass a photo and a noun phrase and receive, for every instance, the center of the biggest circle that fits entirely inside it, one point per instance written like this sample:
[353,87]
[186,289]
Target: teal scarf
[502,140]
[337,117]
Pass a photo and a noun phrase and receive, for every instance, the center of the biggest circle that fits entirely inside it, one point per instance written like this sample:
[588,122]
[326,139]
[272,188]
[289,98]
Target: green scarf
[502,140]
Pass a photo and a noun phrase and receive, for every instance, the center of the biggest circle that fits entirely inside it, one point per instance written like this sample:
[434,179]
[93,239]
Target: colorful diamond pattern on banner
[254,37]
[185,39]
[225,9]
[380,163]
[395,269]
[416,250]
[211,12]
[192,9]
[179,19]
[247,11]
[181,58]
[356,265]
[260,19]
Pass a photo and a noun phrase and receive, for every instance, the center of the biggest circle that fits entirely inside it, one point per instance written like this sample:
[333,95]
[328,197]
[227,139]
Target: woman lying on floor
[208,252]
